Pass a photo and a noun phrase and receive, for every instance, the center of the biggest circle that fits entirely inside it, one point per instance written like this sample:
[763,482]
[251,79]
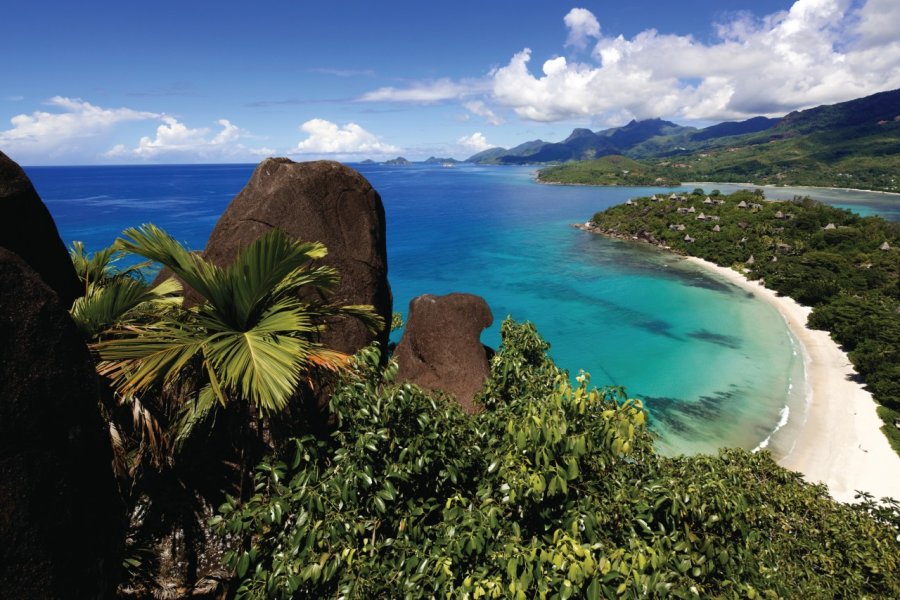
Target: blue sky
[199,81]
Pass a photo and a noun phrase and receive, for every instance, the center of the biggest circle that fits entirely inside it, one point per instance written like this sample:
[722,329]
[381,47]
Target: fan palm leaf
[119,301]
[252,338]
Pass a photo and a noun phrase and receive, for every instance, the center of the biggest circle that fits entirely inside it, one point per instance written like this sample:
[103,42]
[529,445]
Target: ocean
[714,365]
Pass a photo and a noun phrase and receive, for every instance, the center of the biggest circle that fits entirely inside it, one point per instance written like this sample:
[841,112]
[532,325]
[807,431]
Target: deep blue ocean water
[715,366]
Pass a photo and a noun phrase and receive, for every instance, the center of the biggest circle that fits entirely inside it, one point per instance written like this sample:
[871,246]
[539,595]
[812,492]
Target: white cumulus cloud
[177,142]
[818,52]
[583,26]
[476,142]
[74,128]
[326,137]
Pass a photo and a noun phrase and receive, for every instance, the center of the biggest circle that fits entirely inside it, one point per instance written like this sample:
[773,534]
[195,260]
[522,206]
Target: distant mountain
[582,144]
[730,128]
[397,161]
[837,127]
[486,156]
[636,132]
[368,161]
[868,111]
[853,144]
[433,160]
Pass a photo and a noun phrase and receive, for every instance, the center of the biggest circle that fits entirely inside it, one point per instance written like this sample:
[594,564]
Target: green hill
[609,170]
[853,144]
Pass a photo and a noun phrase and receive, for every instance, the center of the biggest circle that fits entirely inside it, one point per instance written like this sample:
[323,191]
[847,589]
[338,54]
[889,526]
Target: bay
[715,366]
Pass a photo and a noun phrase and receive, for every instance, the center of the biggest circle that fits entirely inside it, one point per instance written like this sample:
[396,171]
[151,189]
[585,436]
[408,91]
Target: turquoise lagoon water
[715,365]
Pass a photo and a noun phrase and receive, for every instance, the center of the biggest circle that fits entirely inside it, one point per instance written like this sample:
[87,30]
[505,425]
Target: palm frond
[100,267]
[137,358]
[119,301]
[263,368]
[265,267]
[155,244]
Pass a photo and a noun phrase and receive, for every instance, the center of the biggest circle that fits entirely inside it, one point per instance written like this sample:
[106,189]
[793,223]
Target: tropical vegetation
[553,490]
[853,144]
[845,266]
[199,387]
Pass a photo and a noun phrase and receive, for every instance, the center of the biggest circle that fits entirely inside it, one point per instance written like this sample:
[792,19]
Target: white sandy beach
[839,443]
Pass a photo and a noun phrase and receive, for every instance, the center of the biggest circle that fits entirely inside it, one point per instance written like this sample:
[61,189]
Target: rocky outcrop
[321,201]
[60,519]
[27,229]
[441,348]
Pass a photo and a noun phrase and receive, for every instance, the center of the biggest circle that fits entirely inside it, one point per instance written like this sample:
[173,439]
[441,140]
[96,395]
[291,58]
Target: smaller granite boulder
[27,229]
[441,347]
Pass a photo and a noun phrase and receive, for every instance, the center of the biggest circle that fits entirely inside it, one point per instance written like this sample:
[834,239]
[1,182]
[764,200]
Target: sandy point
[839,441]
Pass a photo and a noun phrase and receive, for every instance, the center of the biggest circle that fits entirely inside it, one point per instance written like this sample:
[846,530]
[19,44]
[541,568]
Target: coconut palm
[252,338]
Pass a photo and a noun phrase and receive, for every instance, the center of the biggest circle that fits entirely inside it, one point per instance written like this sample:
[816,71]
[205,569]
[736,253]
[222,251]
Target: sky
[207,82]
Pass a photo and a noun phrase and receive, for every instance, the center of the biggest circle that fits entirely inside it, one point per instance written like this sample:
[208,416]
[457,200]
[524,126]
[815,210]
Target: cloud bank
[818,52]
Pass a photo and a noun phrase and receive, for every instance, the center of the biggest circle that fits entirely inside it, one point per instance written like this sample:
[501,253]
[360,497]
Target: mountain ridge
[653,138]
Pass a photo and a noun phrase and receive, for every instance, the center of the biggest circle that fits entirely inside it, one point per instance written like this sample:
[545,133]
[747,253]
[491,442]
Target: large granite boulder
[322,201]
[441,348]
[27,229]
[60,522]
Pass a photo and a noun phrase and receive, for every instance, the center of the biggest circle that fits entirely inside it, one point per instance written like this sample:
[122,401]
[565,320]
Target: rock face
[60,519]
[28,230]
[440,348]
[320,201]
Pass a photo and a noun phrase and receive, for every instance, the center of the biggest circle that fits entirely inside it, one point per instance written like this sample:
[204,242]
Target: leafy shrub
[554,491]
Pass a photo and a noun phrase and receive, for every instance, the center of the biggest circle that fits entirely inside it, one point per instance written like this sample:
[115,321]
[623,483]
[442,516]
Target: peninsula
[822,268]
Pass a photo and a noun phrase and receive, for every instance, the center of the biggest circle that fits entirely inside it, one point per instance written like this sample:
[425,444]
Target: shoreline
[839,443]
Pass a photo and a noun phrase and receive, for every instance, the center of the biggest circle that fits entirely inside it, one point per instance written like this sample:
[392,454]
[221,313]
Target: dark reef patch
[727,341]
[679,415]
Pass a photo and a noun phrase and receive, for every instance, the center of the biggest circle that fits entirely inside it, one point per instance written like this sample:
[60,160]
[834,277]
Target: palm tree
[221,366]
[113,299]
[252,339]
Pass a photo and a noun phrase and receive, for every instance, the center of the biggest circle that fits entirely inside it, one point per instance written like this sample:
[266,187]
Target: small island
[845,267]
[398,161]
[434,160]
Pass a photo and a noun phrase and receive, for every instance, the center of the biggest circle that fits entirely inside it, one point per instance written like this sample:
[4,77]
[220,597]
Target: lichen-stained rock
[60,518]
[441,347]
[321,201]
[27,229]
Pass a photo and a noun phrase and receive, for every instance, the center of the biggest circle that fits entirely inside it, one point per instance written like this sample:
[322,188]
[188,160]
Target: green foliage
[113,297]
[608,170]
[819,255]
[251,338]
[865,156]
[553,491]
